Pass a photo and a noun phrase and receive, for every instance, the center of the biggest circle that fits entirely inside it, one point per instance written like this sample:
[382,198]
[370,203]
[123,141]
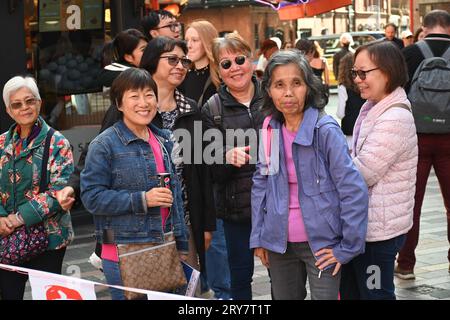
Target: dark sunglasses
[173,61]
[30,102]
[361,73]
[226,64]
[173,26]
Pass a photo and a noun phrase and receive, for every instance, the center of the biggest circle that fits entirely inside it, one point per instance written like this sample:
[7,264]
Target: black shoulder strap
[43,183]
[215,106]
[200,100]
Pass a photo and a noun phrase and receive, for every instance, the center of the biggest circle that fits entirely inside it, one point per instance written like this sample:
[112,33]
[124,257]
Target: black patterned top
[168,120]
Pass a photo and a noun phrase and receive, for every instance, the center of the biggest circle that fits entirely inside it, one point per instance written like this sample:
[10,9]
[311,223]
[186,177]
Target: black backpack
[430,91]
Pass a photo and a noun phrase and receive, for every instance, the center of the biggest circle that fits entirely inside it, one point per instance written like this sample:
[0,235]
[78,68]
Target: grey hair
[315,94]
[19,82]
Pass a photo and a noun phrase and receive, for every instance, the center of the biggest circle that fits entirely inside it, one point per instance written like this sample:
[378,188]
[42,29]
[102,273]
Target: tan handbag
[151,266]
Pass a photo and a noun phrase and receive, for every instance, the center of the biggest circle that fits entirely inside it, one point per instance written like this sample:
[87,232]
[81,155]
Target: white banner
[47,286]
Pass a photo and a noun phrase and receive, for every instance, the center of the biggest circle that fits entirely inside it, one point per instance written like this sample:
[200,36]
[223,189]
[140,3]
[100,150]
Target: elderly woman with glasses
[234,108]
[385,152]
[166,60]
[23,201]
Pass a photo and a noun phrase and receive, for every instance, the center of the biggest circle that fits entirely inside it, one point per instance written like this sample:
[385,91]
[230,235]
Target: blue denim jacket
[332,194]
[119,169]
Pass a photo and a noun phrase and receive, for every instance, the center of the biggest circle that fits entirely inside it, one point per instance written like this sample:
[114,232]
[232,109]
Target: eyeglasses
[361,73]
[173,26]
[173,61]
[30,102]
[226,64]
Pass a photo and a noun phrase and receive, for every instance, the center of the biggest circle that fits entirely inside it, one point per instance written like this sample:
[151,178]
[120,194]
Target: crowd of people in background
[314,200]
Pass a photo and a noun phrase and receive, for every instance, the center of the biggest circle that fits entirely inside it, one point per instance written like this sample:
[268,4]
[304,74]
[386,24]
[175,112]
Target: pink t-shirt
[296,227]
[160,168]
[109,251]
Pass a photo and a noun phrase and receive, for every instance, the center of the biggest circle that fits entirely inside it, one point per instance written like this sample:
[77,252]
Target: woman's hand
[208,237]
[263,255]
[66,198]
[327,258]
[238,156]
[14,221]
[159,197]
[6,227]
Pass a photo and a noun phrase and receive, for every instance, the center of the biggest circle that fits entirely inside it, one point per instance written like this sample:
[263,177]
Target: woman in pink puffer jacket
[385,152]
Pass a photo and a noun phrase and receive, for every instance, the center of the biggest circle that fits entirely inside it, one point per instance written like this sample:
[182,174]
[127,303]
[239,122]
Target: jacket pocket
[327,204]
[127,178]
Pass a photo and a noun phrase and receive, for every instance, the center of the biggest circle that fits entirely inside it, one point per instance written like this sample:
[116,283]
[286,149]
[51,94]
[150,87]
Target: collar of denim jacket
[126,136]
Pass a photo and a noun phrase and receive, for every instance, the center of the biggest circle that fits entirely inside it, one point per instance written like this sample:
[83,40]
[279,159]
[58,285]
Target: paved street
[432,277]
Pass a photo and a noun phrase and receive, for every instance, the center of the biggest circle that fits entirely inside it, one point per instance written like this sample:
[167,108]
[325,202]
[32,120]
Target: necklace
[201,71]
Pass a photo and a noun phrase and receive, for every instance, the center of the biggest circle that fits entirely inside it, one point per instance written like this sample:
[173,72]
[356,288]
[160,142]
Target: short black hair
[154,50]
[125,42]
[305,46]
[152,20]
[131,79]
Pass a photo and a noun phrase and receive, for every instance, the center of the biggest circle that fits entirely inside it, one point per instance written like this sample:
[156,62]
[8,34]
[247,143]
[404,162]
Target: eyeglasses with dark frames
[226,63]
[361,73]
[173,26]
[173,61]
[30,102]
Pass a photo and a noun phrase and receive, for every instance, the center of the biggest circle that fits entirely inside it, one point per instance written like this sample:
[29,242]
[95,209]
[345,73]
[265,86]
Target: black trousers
[12,284]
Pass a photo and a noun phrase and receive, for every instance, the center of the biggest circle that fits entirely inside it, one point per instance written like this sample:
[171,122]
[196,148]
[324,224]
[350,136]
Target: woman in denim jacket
[120,185]
[309,205]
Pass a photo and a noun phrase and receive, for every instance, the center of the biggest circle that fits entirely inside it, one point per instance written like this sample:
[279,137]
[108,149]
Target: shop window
[64,41]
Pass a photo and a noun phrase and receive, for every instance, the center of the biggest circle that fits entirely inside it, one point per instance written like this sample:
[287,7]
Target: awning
[291,11]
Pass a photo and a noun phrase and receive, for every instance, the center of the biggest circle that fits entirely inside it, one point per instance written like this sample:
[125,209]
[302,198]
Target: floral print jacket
[19,179]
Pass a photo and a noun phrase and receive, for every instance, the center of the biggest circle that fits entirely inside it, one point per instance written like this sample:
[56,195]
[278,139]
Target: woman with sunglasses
[238,101]
[22,200]
[385,152]
[166,60]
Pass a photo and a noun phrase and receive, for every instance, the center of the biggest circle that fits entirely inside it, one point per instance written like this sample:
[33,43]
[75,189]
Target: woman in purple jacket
[309,204]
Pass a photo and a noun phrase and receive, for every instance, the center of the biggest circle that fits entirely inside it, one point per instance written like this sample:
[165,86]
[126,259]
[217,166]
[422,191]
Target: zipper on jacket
[316,132]
[316,149]
[250,114]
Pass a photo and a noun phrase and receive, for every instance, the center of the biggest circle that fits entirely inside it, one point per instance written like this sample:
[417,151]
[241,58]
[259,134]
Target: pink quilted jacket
[386,155]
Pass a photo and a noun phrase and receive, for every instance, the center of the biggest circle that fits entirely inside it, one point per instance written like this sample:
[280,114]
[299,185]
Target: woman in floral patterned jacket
[21,203]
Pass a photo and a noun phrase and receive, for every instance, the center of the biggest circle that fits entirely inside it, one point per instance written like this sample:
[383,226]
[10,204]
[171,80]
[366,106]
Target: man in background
[161,23]
[389,35]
